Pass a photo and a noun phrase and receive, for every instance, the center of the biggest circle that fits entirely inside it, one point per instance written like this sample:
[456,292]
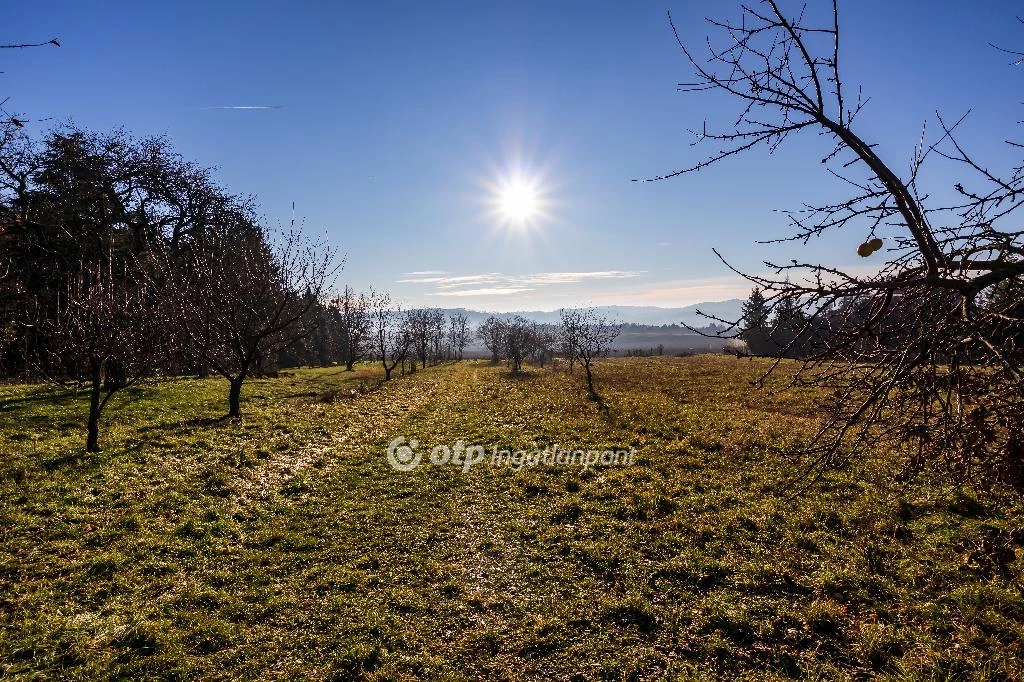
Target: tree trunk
[113,378]
[387,373]
[590,380]
[92,443]
[234,396]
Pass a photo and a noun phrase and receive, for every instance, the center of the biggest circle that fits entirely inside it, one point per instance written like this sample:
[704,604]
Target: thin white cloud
[455,281]
[574,277]
[497,287]
[516,281]
[487,291]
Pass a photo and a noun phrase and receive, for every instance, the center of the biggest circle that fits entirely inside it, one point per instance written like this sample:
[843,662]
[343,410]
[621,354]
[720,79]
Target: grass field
[283,546]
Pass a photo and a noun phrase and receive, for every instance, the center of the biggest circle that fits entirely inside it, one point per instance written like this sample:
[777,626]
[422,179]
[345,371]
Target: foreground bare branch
[925,352]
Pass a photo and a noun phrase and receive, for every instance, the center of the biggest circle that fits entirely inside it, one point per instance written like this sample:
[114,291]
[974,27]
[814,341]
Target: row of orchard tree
[351,327]
[583,336]
[119,260]
[370,326]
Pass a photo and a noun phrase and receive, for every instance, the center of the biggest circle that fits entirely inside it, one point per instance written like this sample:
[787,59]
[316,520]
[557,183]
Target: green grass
[283,546]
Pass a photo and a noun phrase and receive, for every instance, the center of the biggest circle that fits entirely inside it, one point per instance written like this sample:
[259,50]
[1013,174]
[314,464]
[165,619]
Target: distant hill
[646,327]
[628,314]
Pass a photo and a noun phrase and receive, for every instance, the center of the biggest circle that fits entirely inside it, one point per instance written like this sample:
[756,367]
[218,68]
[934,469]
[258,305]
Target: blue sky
[397,120]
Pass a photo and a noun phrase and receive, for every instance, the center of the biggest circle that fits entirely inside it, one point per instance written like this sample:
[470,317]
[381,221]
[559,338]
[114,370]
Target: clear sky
[395,125]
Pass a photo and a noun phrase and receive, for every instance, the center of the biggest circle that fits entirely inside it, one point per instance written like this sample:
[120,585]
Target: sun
[518,198]
[518,201]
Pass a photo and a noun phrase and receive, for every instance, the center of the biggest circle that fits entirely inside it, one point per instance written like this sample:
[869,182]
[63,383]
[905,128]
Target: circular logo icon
[403,457]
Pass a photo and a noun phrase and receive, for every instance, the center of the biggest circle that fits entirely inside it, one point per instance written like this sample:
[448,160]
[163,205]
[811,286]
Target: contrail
[249,106]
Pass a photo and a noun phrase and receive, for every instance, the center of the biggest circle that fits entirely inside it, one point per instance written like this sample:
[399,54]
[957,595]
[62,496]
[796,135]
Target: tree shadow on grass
[38,395]
[602,406]
[523,375]
[63,461]
[194,422]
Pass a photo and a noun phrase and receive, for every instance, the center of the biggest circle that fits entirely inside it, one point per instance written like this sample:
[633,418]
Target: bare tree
[590,335]
[107,331]
[5,116]
[458,333]
[241,298]
[391,331]
[426,327]
[518,335]
[492,334]
[566,347]
[418,322]
[355,325]
[545,341]
[914,353]
[437,335]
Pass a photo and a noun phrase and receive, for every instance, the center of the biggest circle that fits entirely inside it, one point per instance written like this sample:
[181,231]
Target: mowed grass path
[284,546]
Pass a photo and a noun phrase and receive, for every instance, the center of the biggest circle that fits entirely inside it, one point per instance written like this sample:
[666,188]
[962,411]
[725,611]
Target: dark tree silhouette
[754,323]
[77,200]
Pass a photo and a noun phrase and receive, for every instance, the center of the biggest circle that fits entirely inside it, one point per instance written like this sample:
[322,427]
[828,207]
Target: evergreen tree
[788,331]
[755,324]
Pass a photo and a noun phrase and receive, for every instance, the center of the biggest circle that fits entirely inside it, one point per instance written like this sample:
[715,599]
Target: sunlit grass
[284,546]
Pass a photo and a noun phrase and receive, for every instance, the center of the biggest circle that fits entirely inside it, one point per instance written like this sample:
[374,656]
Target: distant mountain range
[628,314]
[654,333]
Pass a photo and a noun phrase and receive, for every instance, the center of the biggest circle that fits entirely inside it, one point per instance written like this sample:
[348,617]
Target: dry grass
[284,546]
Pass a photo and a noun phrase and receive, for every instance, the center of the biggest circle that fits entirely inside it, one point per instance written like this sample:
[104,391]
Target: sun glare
[518,201]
